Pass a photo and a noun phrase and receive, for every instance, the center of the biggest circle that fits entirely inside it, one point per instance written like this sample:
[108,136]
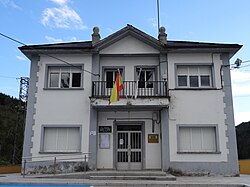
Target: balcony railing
[101,89]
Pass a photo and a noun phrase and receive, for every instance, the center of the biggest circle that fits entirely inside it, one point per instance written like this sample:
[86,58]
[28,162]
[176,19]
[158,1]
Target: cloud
[241,117]
[241,89]
[110,30]
[153,22]
[240,83]
[60,2]
[240,76]
[20,58]
[62,17]
[53,40]
[10,3]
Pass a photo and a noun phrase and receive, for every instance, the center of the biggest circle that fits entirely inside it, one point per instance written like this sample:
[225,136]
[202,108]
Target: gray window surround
[62,65]
[198,125]
[212,87]
[58,126]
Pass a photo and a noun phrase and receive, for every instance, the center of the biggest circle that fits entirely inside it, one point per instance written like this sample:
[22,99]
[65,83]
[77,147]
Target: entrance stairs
[131,175]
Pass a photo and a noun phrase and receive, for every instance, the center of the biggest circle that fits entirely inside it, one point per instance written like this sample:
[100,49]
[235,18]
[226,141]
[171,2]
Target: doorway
[129,148]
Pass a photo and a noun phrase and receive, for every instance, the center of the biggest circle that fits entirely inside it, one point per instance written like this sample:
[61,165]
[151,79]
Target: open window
[110,76]
[145,77]
[64,77]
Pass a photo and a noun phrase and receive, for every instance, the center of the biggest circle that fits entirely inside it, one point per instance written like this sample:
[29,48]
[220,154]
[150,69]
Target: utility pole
[23,97]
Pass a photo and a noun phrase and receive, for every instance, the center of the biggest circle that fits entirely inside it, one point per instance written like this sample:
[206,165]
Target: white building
[181,120]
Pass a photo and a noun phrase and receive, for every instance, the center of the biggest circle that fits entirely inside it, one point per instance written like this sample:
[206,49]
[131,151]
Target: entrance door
[129,147]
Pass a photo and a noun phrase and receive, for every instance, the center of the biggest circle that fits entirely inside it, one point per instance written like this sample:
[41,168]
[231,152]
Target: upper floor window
[194,76]
[65,77]
[145,77]
[110,76]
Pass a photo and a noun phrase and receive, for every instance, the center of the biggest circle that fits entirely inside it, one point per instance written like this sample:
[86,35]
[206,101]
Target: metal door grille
[129,148]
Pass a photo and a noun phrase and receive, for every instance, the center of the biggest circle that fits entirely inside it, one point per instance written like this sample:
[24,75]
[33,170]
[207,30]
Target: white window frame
[60,69]
[43,134]
[193,151]
[198,74]
[145,69]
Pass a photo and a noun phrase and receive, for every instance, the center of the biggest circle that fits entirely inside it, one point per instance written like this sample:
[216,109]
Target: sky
[53,21]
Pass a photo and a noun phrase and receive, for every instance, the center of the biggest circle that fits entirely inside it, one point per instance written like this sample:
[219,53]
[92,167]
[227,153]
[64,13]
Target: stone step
[128,177]
[127,173]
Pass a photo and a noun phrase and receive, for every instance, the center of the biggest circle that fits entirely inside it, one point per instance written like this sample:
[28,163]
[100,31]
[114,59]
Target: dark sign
[153,138]
[105,129]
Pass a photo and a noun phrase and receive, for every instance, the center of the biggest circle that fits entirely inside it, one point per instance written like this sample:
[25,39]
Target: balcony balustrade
[102,89]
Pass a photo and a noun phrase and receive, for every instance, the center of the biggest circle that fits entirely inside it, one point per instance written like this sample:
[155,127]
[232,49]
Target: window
[197,139]
[64,77]
[145,77]
[194,76]
[110,76]
[61,139]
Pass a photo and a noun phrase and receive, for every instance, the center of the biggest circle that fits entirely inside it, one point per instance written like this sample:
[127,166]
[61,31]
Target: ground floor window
[61,139]
[197,139]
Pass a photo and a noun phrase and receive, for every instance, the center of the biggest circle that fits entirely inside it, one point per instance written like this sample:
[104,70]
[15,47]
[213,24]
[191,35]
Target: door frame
[116,123]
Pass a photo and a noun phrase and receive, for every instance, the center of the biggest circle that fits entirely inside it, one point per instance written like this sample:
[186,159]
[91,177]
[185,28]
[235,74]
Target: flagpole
[158,15]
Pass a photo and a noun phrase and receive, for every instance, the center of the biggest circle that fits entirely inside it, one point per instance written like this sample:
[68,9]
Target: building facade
[175,111]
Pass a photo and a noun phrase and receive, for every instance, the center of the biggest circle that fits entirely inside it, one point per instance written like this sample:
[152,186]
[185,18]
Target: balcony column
[163,66]
[92,162]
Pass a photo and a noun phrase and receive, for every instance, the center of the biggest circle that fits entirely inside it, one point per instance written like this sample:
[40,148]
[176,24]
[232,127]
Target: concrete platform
[206,181]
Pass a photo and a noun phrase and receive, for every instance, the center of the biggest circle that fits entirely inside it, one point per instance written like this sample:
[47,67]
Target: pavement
[207,181]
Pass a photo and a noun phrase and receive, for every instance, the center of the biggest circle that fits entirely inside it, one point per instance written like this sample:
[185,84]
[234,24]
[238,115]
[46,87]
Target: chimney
[95,36]
[162,35]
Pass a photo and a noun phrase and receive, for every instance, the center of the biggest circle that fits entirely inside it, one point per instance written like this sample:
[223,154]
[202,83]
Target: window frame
[145,68]
[71,71]
[188,75]
[42,143]
[112,68]
[217,142]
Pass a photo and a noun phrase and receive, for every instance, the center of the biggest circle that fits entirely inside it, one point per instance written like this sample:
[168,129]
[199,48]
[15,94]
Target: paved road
[214,181]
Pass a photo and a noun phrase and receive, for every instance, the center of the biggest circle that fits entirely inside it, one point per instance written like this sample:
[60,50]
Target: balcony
[134,94]
[102,89]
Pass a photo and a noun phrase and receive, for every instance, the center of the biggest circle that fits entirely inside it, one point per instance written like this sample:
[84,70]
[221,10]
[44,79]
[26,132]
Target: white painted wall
[66,107]
[129,63]
[193,107]
[152,150]
[129,45]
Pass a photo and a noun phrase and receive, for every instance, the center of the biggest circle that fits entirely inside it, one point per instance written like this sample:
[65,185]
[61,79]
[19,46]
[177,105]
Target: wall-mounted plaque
[153,138]
[104,141]
[105,129]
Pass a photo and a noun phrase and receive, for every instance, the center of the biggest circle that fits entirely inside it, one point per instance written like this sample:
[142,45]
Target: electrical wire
[7,77]
[51,56]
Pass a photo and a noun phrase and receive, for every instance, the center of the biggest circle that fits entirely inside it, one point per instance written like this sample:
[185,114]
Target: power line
[7,77]
[51,56]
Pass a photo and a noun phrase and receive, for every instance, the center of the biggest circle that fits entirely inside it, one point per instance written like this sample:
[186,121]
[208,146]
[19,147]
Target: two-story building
[175,111]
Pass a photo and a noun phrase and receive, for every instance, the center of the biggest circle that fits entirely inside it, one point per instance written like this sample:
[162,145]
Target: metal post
[54,165]
[85,163]
[24,168]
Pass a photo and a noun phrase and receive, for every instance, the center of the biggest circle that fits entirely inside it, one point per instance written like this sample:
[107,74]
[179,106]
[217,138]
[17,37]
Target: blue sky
[50,21]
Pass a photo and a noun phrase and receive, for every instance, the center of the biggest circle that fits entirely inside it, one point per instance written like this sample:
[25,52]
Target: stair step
[158,178]
[127,173]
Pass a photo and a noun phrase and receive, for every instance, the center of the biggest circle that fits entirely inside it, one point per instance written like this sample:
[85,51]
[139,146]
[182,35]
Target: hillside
[243,140]
[12,115]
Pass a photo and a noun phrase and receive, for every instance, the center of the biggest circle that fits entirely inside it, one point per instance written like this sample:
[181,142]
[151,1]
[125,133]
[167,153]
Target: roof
[87,46]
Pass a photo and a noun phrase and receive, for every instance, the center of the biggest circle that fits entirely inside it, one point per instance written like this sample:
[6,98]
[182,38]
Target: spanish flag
[118,86]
